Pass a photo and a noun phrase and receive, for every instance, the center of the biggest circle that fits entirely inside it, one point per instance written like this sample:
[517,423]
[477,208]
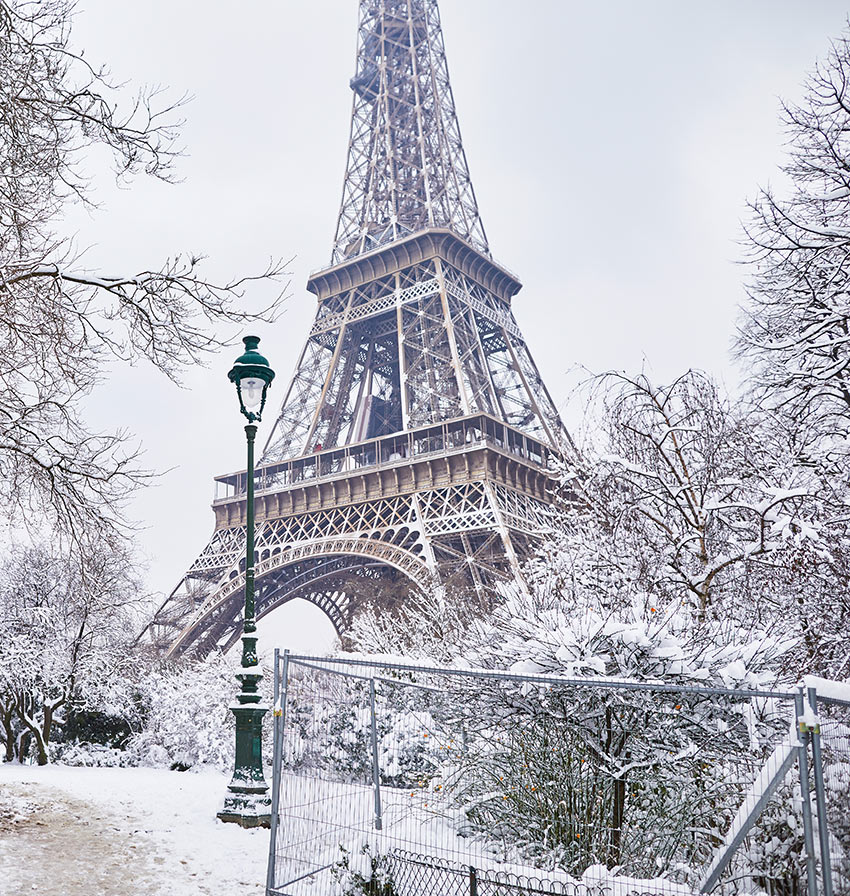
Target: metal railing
[455,436]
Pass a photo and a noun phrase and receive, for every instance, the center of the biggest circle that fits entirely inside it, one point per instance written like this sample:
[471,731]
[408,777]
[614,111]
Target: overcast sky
[612,146]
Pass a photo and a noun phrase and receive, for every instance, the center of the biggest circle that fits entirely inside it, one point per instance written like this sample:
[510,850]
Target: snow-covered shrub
[329,729]
[110,727]
[575,775]
[329,726]
[188,722]
[66,625]
[407,748]
[774,852]
[360,873]
[91,755]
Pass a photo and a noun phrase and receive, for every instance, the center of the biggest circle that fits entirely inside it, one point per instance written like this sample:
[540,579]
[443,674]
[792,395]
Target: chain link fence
[394,779]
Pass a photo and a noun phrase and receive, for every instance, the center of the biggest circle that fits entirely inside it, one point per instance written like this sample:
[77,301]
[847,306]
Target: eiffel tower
[414,440]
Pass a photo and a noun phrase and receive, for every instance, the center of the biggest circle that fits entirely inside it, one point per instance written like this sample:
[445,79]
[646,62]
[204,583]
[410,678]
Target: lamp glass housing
[252,392]
[252,377]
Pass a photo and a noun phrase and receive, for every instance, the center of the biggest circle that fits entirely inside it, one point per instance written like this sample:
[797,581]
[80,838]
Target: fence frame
[806,726]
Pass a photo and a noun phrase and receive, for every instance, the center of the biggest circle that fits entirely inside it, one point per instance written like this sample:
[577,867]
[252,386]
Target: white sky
[612,147]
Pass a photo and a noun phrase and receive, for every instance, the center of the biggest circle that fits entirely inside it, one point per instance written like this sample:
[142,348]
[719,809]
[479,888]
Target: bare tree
[795,340]
[59,324]
[796,331]
[693,492]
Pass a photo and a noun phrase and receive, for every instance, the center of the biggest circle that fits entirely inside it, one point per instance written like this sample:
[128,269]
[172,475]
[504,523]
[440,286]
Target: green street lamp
[247,802]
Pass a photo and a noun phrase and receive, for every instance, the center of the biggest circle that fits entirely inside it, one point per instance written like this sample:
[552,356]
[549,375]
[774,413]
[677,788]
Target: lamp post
[247,801]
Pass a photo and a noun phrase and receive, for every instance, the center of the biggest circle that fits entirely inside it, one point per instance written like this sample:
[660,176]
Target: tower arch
[326,575]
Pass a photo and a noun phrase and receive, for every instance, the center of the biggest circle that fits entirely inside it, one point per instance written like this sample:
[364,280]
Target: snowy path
[105,832]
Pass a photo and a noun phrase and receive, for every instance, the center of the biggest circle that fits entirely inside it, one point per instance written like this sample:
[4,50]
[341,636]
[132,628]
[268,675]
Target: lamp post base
[248,810]
[247,802]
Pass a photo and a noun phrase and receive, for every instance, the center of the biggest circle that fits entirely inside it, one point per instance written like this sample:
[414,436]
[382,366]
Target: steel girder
[407,168]
[427,344]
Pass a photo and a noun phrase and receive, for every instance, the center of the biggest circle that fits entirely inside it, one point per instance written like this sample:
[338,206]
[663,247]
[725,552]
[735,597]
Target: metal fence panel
[833,734]
[396,779]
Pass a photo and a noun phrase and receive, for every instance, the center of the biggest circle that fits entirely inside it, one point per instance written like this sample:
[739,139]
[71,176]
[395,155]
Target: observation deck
[466,449]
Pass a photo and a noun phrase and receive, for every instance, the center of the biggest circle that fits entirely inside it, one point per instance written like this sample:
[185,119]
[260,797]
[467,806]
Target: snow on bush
[570,776]
[92,755]
[66,621]
[188,722]
[549,633]
[329,730]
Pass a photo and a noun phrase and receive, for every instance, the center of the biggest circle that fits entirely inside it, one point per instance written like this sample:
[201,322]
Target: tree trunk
[23,745]
[26,706]
[47,728]
[618,815]
[9,732]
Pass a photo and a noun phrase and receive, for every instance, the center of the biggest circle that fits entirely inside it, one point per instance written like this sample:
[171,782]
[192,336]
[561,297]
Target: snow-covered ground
[109,831]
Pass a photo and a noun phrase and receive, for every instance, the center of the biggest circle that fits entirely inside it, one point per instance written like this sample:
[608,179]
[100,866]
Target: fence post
[805,795]
[473,881]
[376,769]
[279,715]
[820,799]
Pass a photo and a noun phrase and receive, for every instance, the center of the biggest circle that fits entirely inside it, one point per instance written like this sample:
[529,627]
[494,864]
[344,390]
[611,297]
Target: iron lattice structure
[414,441]
[407,169]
